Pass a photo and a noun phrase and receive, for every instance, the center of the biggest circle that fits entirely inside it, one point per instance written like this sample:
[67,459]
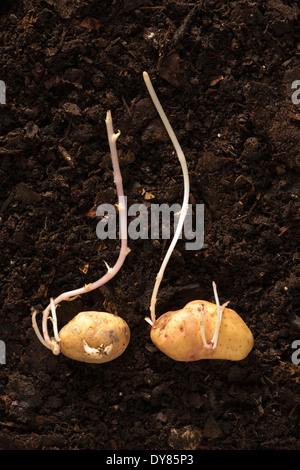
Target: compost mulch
[224,73]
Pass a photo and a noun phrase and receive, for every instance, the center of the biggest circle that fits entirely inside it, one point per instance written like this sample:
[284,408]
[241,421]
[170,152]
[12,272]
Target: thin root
[54,320]
[148,320]
[220,309]
[36,329]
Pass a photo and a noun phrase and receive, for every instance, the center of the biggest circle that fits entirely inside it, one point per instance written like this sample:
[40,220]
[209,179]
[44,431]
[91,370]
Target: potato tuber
[178,333]
[182,334]
[94,337]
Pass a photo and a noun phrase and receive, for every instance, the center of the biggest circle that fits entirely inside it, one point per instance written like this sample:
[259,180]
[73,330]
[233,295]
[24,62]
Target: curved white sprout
[53,343]
[184,208]
[183,212]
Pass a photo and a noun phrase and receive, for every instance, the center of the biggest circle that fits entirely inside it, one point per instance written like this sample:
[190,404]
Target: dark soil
[224,74]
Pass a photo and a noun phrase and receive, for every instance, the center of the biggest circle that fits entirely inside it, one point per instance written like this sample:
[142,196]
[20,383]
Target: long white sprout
[183,212]
[53,343]
[184,208]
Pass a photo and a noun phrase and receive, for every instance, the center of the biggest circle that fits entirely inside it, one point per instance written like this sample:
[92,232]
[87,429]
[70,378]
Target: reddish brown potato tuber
[178,334]
[94,337]
[182,335]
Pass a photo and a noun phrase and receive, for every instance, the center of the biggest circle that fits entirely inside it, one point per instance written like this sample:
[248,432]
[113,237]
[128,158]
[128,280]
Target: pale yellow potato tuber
[178,334]
[94,337]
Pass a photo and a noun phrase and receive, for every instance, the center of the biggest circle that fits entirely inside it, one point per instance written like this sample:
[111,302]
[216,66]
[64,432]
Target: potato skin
[98,330]
[177,334]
